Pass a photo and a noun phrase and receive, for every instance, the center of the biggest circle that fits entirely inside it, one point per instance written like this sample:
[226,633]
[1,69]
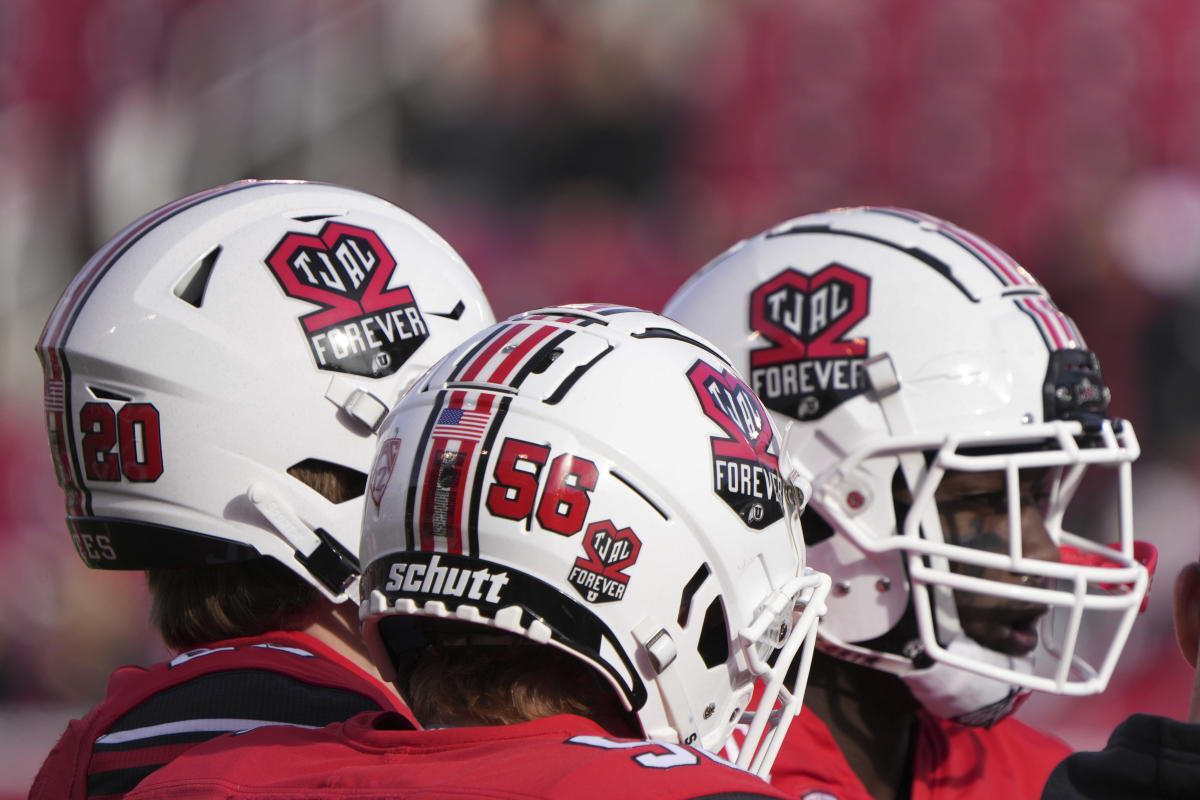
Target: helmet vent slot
[544,360]
[454,313]
[315,217]
[105,394]
[689,591]
[190,288]
[334,482]
[667,333]
[714,636]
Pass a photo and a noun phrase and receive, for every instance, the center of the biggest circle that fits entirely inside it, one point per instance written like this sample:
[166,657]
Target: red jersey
[376,756]
[1010,760]
[152,715]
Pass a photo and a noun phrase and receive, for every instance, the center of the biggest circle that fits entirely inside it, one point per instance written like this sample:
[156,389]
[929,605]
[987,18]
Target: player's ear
[1187,611]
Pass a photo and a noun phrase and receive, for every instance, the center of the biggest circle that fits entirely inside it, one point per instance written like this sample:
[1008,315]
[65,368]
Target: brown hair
[198,605]
[457,680]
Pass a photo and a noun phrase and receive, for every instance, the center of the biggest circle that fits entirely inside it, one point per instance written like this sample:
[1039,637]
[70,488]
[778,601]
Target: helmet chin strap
[661,651]
[966,697]
[334,568]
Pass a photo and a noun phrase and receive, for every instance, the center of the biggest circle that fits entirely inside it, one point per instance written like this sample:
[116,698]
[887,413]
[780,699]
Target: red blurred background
[603,151]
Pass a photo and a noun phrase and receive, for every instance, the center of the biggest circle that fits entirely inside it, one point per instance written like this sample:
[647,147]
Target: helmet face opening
[215,372]
[599,480]
[946,413]
[989,557]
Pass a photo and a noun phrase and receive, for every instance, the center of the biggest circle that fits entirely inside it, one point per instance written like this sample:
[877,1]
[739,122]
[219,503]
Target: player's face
[973,507]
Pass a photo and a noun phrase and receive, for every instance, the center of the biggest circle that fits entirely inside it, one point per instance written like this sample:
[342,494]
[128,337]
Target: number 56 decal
[564,501]
[121,443]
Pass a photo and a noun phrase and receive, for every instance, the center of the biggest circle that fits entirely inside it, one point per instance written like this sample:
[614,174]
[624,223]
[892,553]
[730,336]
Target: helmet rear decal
[809,366]
[745,473]
[58,425]
[363,328]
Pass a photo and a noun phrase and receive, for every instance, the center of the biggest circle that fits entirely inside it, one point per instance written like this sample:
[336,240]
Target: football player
[945,412]
[563,575]
[214,378]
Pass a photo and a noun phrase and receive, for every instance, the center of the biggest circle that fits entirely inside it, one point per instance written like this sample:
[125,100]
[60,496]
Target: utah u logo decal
[363,327]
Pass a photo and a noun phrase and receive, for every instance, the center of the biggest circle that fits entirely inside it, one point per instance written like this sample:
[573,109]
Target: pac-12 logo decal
[385,465]
[363,327]
[600,577]
[745,472]
[811,366]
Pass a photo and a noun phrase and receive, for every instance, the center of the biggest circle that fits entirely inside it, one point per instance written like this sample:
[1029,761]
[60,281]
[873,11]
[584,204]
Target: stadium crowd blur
[602,151]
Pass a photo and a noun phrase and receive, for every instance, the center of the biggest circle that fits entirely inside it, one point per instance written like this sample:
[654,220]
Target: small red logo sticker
[600,576]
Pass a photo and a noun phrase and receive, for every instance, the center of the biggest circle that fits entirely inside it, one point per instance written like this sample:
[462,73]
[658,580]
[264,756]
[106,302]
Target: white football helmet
[226,340]
[599,479]
[899,347]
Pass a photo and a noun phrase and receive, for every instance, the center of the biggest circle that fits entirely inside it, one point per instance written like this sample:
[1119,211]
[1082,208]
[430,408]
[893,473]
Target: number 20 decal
[565,499]
[124,443]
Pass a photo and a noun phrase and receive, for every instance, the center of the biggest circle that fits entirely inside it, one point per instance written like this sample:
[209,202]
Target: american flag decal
[457,423]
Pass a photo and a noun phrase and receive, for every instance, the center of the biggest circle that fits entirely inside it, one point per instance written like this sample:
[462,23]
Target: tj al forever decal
[811,365]
[363,328]
[745,472]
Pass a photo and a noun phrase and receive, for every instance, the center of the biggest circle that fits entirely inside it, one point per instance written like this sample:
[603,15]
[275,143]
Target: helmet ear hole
[713,644]
[334,482]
